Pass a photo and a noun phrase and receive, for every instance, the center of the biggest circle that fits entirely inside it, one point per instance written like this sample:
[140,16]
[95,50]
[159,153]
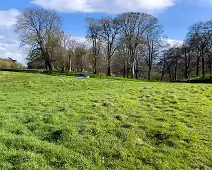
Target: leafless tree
[37,29]
[93,35]
[133,27]
[199,37]
[66,45]
[109,30]
[154,44]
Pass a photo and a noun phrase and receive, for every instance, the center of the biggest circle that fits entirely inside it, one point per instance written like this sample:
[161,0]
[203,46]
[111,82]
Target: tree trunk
[95,65]
[210,66]
[149,65]
[124,69]
[81,68]
[109,47]
[163,70]
[128,68]
[49,65]
[69,63]
[46,56]
[108,71]
[46,65]
[163,73]
[170,75]
[136,69]
[95,55]
[149,73]
[48,60]
[108,67]
[133,70]
[175,71]
[203,66]
[197,69]
[151,48]
[162,76]
[136,74]
[186,65]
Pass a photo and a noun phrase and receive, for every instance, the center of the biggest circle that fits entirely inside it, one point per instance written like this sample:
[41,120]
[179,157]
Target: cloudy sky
[175,15]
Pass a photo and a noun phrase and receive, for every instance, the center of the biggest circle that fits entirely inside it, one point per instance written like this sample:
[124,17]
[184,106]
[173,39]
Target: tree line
[128,45]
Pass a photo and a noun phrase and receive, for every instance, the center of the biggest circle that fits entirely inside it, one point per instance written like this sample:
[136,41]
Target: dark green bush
[206,79]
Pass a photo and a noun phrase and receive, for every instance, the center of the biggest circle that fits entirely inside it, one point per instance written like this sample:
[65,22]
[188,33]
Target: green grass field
[55,122]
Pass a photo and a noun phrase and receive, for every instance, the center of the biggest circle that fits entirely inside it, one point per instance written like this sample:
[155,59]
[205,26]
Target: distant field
[50,122]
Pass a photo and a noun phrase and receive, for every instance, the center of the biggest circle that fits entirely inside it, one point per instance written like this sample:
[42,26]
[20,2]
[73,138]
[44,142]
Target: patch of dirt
[3,76]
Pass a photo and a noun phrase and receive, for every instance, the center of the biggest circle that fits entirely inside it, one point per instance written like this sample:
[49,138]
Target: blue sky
[175,15]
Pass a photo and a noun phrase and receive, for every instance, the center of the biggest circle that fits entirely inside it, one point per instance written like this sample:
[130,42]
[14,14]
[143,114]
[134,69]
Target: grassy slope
[61,122]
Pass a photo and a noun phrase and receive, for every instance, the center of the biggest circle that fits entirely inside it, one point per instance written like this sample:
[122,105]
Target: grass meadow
[61,122]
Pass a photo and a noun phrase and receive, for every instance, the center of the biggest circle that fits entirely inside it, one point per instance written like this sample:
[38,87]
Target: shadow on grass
[52,73]
[64,73]
[74,74]
[198,80]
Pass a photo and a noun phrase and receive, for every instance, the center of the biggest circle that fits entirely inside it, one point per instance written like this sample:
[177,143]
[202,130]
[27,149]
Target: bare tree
[199,36]
[154,44]
[123,52]
[37,29]
[72,45]
[66,45]
[109,30]
[186,56]
[92,34]
[133,27]
[80,57]
[169,60]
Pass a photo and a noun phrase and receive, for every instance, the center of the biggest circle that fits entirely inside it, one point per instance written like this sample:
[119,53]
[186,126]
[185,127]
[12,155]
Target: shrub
[206,79]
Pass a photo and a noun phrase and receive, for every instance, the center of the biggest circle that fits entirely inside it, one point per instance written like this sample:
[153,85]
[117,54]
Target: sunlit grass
[54,122]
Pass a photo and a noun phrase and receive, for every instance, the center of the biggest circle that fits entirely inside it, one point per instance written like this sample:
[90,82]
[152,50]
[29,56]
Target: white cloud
[7,18]
[174,43]
[9,44]
[106,6]
[80,39]
[13,51]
